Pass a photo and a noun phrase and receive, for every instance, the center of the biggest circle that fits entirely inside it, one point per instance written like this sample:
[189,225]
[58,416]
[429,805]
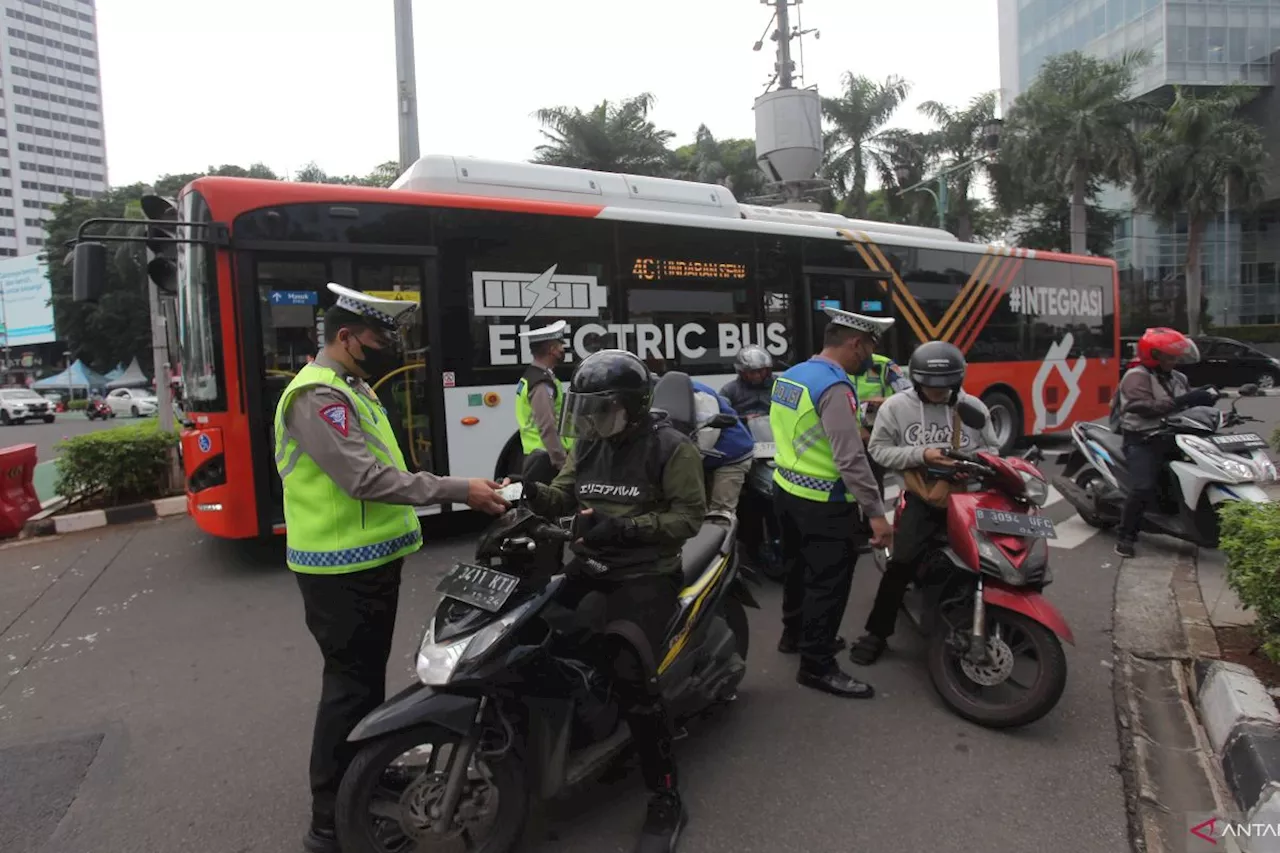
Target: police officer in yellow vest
[349,509]
[874,382]
[539,398]
[822,482]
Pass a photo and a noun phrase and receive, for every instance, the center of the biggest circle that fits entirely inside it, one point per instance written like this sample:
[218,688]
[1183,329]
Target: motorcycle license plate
[1014,524]
[1239,441]
[765,450]
[480,587]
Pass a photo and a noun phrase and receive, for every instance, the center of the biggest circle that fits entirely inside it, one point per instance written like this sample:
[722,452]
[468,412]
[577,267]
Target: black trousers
[918,523]
[756,520]
[648,602]
[352,617]
[538,468]
[1144,460]
[818,552]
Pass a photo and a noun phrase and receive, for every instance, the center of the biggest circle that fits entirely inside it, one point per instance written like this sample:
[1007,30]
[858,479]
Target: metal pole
[942,202]
[406,85]
[784,46]
[160,364]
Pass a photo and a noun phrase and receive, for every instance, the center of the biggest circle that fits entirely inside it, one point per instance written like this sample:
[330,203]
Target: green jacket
[653,476]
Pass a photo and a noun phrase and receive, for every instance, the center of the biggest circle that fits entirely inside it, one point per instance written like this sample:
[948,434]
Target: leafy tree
[728,162]
[1073,127]
[857,142]
[607,138]
[958,139]
[1199,151]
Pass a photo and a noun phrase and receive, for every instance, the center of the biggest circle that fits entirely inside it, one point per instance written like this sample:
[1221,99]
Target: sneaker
[662,825]
[1124,548]
[837,683]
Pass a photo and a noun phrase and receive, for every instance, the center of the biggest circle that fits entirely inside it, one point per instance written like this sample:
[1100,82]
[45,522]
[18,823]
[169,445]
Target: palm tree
[1201,151]
[607,138]
[959,138]
[1073,126]
[911,159]
[728,162]
[858,142]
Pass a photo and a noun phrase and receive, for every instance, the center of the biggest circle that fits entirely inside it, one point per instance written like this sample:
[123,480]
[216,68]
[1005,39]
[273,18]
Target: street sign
[295,297]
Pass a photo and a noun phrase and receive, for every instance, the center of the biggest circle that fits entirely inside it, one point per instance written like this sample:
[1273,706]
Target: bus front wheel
[1006,419]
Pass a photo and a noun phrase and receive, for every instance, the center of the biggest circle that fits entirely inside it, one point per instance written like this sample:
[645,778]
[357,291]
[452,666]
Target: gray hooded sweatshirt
[906,425]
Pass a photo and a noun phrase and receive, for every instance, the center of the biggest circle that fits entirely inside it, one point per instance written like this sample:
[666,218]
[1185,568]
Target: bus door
[284,299]
[859,291]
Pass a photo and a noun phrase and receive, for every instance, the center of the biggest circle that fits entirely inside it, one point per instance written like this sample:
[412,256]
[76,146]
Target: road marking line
[1072,533]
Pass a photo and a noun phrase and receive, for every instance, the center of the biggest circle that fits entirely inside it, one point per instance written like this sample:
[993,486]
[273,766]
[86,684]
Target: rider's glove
[1199,397]
[610,530]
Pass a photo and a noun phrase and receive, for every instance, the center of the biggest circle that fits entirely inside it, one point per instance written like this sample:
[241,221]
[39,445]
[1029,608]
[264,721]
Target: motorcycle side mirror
[971,415]
[721,421]
[1248,390]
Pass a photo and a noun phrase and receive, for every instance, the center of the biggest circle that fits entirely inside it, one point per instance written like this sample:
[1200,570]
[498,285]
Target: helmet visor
[938,380]
[592,416]
[1183,351]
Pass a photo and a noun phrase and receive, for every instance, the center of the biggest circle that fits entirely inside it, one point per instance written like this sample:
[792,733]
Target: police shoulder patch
[337,416]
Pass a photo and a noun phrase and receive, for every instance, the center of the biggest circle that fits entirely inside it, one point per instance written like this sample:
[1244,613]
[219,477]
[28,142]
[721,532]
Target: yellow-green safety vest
[806,466]
[327,531]
[530,437]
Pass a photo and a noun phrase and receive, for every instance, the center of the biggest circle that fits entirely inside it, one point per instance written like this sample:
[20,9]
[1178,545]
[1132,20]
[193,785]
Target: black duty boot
[663,824]
[322,837]
[1124,547]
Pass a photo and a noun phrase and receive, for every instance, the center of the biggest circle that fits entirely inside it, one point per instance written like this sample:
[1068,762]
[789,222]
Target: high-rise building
[51,139]
[1200,43]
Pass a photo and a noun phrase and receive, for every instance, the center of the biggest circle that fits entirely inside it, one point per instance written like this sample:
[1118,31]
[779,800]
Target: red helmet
[1163,341]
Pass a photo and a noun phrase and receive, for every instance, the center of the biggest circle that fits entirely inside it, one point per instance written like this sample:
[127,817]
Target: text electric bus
[679,273]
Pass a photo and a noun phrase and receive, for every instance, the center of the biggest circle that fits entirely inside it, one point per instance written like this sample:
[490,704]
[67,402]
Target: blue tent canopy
[77,376]
[114,373]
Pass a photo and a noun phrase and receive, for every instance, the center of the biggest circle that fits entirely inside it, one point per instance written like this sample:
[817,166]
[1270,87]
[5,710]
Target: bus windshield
[197,315]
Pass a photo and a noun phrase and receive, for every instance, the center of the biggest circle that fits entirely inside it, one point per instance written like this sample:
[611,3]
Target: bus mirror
[89,272]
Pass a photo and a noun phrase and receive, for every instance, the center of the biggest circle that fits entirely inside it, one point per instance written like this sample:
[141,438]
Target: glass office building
[1202,43]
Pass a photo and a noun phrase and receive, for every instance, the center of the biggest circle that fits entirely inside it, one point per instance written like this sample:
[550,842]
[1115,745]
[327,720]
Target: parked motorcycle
[98,409]
[994,654]
[512,706]
[1210,467]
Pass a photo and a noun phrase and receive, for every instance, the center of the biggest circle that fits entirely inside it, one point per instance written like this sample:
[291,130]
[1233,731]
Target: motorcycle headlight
[438,661]
[1035,489]
[1234,468]
[1265,467]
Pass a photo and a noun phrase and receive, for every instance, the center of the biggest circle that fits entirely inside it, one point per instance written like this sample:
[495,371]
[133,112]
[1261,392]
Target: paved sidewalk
[1220,600]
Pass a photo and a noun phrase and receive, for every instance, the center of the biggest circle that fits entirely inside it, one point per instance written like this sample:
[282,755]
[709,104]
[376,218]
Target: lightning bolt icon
[543,291]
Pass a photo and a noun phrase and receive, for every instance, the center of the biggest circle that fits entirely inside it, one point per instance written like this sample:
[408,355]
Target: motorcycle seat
[1112,442]
[698,551]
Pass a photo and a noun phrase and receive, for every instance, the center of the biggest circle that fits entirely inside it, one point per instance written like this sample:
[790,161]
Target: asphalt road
[45,436]
[160,686]
[157,690]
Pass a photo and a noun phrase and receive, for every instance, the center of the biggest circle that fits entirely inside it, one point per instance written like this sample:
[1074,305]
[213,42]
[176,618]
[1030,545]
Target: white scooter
[1210,467]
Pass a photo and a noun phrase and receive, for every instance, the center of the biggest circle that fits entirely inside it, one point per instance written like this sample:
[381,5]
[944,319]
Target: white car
[18,405]
[138,402]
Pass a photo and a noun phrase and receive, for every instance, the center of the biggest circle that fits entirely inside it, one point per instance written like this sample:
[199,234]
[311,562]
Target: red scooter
[99,409]
[994,653]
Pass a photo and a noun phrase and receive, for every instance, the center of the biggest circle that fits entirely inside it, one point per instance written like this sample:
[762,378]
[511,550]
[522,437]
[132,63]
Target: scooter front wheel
[391,796]
[1021,680]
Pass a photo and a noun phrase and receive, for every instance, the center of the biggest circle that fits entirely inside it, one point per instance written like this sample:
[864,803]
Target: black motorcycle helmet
[611,391]
[937,364]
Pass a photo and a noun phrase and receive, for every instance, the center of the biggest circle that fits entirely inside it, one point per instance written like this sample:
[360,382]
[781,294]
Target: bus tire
[510,459]
[1006,418]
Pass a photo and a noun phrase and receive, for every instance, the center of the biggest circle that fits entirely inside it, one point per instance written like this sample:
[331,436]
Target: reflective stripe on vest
[327,530]
[530,435]
[806,465]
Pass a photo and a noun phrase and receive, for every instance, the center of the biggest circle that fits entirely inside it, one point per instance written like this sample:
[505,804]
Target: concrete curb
[47,524]
[1243,725]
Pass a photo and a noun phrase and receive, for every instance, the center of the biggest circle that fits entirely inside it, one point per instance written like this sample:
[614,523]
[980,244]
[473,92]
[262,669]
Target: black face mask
[377,361]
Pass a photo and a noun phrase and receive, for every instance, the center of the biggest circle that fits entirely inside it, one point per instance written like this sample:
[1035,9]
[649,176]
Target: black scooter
[511,707]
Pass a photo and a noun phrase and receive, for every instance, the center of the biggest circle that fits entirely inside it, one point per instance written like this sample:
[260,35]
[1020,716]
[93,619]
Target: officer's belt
[807,481]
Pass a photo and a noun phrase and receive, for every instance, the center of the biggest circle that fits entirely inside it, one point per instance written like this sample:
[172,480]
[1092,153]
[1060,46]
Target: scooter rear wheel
[1091,481]
[391,787]
[1005,702]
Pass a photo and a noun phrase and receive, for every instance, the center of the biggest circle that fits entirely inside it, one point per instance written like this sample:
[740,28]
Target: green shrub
[1251,542]
[123,464]
[77,405]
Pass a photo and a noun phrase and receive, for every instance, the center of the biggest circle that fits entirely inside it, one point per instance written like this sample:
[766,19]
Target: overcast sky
[285,82]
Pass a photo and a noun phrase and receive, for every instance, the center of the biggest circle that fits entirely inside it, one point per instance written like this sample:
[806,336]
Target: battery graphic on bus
[508,294]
